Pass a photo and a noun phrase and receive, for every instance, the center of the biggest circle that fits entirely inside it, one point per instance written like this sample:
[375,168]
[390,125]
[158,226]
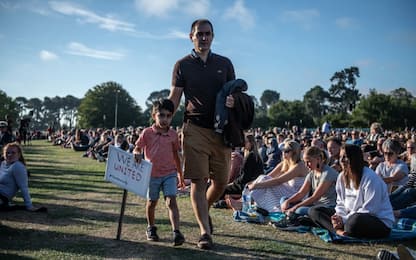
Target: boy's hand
[181,181]
[138,157]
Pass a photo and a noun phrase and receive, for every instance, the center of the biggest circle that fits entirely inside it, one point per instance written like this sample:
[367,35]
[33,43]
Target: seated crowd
[350,182]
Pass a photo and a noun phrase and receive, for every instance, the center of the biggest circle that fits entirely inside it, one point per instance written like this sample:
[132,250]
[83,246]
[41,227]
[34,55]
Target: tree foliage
[342,93]
[8,107]
[97,109]
[315,102]
[268,98]
[289,113]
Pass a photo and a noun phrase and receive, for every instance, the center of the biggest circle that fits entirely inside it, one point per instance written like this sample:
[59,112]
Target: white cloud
[79,49]
[158,8]
[107,22]
[163,8]
[198,8]
[345,22]
[178,35]
[240,13]
[305,18]
[47,55]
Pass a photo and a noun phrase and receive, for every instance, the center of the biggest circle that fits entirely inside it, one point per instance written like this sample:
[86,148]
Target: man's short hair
[201,21]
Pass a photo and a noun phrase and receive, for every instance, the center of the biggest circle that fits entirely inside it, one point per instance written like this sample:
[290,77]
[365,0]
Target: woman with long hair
[363,207]
[14,177]
[284,180]
[318,188]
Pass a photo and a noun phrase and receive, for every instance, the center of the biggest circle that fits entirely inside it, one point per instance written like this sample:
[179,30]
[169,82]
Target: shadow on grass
[286,242]
[94,246]
[62,215]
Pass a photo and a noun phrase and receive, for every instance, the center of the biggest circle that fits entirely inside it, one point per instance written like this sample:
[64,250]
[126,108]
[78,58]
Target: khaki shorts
[205,155]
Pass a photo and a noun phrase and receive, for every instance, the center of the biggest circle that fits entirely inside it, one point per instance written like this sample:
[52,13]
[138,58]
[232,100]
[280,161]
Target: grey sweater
[12,178]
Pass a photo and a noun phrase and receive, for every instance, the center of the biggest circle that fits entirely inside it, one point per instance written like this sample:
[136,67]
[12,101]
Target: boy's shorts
[168,184]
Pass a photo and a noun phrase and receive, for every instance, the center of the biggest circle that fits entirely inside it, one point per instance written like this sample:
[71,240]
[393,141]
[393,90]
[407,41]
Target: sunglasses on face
[287,150]
[388,153]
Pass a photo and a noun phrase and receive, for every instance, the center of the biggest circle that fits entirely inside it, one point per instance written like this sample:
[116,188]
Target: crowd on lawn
[280,168]
[302,173]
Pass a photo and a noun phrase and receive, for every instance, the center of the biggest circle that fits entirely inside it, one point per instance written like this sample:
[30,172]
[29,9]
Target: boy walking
[160,145]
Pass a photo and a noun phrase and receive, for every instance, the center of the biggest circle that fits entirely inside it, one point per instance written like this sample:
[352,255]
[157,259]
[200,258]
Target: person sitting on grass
[393,170]
[318,189]
[283,181]
[252,167]
[14,177]
[161,147]
[363,209]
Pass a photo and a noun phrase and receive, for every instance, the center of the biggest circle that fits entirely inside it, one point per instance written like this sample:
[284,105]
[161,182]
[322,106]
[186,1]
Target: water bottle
[246,200]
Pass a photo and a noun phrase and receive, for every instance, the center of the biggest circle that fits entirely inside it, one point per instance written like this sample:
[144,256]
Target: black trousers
[360,225]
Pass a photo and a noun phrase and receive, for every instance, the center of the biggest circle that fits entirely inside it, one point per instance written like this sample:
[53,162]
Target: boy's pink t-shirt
[158,149]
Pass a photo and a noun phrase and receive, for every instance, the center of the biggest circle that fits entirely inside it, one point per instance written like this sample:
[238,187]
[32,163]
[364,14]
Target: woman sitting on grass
[318,188]
[13,176]
[283,181]
[363,207]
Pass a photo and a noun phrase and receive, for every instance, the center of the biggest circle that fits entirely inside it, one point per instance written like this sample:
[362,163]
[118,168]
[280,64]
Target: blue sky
[57,48]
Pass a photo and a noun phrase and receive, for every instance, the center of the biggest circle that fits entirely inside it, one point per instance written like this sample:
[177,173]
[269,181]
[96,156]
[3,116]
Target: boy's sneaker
[178,238]
[151,234]
[205,242]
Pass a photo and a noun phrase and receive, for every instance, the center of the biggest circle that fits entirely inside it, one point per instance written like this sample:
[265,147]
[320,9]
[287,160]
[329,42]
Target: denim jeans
[302,211]
[403,197]
[409,212]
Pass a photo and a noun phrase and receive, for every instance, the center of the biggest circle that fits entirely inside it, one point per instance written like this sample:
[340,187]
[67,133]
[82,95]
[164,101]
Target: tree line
[108,105]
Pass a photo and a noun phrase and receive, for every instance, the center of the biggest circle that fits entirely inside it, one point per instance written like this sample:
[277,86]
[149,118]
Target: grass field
[83,212]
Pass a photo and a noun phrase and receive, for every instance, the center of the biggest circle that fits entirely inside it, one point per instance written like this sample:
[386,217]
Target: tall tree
[8,107]
[268,98]
[343,94]
[289,113]
[315,102]
[98,107]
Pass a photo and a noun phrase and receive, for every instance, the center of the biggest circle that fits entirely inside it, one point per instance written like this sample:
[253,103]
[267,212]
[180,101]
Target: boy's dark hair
[163,104]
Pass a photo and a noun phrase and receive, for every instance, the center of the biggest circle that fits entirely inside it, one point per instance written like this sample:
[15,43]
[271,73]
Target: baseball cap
[3,124]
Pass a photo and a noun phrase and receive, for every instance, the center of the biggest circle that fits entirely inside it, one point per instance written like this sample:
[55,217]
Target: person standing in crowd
[200,76]
[363,208]
[160,144]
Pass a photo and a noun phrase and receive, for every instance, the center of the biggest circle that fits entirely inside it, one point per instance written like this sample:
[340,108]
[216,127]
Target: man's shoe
[205,242]
[151,234]
[178,238]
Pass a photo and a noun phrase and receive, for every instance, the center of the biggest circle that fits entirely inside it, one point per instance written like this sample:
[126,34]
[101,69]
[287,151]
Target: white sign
[123,171]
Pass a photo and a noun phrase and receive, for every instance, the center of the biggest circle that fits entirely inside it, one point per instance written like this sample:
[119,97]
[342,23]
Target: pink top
[159,149]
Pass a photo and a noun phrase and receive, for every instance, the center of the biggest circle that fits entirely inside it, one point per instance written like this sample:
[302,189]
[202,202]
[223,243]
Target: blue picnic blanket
[403,229]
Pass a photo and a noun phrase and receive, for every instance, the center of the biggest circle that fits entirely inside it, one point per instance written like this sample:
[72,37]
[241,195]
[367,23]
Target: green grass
[83,212]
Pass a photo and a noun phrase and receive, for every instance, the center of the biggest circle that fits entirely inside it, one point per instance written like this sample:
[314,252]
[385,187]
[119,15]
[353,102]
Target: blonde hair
[295,156]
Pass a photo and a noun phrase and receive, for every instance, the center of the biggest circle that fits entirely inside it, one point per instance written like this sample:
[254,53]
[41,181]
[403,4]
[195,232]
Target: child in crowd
[160,144]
